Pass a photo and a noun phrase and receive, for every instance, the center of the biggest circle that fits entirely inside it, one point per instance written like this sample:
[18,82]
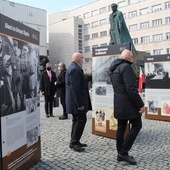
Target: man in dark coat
[128,104]
[47,87]
[77,100]
[61,89]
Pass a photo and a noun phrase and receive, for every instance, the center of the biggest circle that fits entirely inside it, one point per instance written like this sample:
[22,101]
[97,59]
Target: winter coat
[127,101]
[77,93]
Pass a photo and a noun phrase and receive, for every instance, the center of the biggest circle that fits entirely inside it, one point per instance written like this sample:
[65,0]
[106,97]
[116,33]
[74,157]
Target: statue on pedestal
[119,33]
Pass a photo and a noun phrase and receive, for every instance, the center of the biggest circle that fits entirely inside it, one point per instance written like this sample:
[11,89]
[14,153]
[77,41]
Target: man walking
[128,105]
[77,100]
[47,87]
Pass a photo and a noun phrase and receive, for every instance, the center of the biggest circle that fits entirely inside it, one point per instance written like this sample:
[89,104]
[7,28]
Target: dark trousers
[49,105]
[63,103]
[78,124]
[124,145]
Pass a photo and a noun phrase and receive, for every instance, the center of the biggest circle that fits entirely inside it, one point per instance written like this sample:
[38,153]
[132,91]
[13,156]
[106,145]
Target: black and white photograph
[18,75]
[152,107]
[32,136]
[100,91]
[157,75]
[31,105]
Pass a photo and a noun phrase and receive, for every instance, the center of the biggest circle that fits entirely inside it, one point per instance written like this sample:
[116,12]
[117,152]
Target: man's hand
[142,110]
[81,108]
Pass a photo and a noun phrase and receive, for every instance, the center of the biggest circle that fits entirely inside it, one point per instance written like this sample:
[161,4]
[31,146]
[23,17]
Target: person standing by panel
[128,105]
[61,89]
[77,100]
[47,87]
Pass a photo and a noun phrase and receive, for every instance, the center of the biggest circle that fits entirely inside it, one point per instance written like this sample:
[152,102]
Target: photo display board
[157,87]
[103,121]
[19,95]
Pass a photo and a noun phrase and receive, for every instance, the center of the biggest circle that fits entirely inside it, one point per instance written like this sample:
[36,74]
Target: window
[95,35]
[87,15]
[121,4]
[86,26]
[157,22]
[168,35]
[167,20]
[87,48]
[93,13]
[102,10]
[103,21]
[144,11]
[103,33]
[80,26]
[124,15]
[87,60]
[133,1]
[109,8]
[167,5]
[156,8]
[86,37]
[144,25]
[94,24]
[132,14]
[104,44]
[157,52]
[135,40]
[94,46]
[145,39]
[168,50]
[158,37]
[133,27]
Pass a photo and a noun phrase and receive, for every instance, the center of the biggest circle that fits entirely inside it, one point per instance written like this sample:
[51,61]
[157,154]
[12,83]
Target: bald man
[77,100]
[128,105]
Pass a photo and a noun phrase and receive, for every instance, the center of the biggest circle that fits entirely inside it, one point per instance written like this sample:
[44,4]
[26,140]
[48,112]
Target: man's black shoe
[63,117]
[82,144]
[126,158]
[47,116]
[76,148]
[51,115]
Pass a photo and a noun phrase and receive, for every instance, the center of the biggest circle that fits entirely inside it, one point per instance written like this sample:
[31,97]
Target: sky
[53,6]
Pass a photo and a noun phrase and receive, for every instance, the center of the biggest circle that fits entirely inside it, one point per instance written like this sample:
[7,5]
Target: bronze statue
[119,33]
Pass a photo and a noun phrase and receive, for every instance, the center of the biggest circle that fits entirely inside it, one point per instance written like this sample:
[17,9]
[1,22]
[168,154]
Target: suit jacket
[77,93]
[60,86]
[45,85]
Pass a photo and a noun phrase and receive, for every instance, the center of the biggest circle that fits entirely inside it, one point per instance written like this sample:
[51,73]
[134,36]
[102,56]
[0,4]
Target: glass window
[168,50]
[158,37]
[102,10]
[86,26]
[121,4]
[167,5]
[132,14]
[95,35]
[87,48]
[144,25]
[104,44]
[80,26]
[133,1]
[144,11]
[94,46]
[94,24]
[168,35]
[156,8]
[157,22]
[157,52]
[135,40]
[86,37]
[87,15]
[103,33]
[87,60]
[93,13]
[103,21]
[145,39]
[167,20]
[133,27]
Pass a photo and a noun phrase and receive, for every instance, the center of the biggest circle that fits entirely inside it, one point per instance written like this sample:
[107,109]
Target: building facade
[148,22]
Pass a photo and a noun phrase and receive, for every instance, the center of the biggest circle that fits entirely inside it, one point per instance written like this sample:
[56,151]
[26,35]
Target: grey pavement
[151,148]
